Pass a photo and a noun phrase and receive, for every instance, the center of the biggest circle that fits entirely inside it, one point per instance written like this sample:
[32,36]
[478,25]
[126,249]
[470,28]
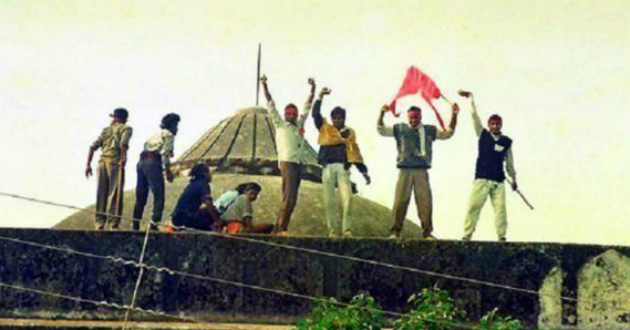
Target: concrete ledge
[32,324]
[522,265]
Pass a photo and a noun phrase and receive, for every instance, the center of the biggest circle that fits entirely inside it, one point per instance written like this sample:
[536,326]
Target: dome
[244,143]
[369,218]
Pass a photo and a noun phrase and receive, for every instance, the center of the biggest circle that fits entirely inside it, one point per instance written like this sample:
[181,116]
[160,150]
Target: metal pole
[258,74]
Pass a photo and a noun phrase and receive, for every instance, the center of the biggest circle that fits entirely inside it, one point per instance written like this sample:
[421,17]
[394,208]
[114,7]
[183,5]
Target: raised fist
[455,108]
[464,93]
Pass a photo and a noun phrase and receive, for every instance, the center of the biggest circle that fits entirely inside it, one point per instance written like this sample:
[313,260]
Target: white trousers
[483,188]
[337,174]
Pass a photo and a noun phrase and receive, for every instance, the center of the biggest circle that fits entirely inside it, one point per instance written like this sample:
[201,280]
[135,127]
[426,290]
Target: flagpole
[258,74]
[445,99]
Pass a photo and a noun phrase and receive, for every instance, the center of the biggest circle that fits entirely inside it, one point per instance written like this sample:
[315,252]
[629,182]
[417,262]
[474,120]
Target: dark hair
[290,105]
[338,112]
[495,117]
[414,109]
[170,120]
[244,186]
[253,186]
[199,171]
[120,113]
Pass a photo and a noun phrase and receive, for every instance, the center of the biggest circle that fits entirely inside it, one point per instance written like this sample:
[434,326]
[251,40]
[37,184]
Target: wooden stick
[522,196]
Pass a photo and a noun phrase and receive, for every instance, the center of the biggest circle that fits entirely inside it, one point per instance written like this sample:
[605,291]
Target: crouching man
[239,216]
[195,208]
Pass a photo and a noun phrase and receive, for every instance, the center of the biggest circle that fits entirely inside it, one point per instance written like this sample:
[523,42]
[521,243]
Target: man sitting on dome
[239,216]
[338,151]
[194,208]
[292,151]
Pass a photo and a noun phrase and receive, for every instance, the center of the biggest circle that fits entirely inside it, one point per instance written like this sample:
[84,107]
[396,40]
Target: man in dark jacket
[195,208]
[338,150]
[495,149]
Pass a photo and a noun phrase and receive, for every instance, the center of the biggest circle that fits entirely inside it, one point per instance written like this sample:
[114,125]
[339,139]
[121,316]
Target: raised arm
[475,117]
[308,104]
[311,95]
[317,108]
[271,105]
[380,125]
[263,81]
[450,130]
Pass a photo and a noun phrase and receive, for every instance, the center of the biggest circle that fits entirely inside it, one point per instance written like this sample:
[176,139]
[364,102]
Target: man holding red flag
[415,143]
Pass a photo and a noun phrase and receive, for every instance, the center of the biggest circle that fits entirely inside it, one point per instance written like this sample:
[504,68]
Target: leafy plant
[362,313]
[433,309]
[493,321]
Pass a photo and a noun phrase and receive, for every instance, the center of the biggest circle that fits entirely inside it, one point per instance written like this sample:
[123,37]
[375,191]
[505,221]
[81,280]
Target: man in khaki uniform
[113,142]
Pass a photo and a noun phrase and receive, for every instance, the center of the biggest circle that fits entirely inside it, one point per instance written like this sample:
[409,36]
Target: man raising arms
[415,150]
[292,151]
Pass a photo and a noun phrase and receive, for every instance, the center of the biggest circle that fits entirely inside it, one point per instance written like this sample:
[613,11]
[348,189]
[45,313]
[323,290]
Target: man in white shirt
[154,159]
[292,151]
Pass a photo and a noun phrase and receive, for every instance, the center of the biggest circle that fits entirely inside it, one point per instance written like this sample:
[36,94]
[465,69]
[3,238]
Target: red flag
[417,81]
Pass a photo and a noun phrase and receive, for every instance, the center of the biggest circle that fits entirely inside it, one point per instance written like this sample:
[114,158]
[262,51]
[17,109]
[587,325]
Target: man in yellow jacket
[338,151]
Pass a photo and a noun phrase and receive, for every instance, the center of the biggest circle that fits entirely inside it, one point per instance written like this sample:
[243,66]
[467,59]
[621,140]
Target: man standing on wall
[415,149]
[154,159]
[338,150]
[494,149]
[114,143]
[292,151]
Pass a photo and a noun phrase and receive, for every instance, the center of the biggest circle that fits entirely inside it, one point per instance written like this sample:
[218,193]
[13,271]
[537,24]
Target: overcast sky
[557,71]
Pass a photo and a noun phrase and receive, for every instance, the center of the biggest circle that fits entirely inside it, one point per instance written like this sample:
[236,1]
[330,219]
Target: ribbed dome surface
[244,143]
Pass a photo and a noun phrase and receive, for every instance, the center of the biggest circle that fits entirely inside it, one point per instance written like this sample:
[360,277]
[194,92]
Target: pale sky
[557,71]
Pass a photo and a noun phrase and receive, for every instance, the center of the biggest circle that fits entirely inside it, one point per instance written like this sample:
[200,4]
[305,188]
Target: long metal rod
[258,74]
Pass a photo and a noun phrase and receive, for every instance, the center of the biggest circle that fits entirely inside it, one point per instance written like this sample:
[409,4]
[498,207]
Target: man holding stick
[494,150]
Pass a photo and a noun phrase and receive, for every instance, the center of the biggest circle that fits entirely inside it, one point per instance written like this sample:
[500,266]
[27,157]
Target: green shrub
[433,309]
[363,313]
[493,321]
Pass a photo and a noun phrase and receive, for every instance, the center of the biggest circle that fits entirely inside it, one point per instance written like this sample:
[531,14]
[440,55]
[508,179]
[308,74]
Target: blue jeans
[149,177]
